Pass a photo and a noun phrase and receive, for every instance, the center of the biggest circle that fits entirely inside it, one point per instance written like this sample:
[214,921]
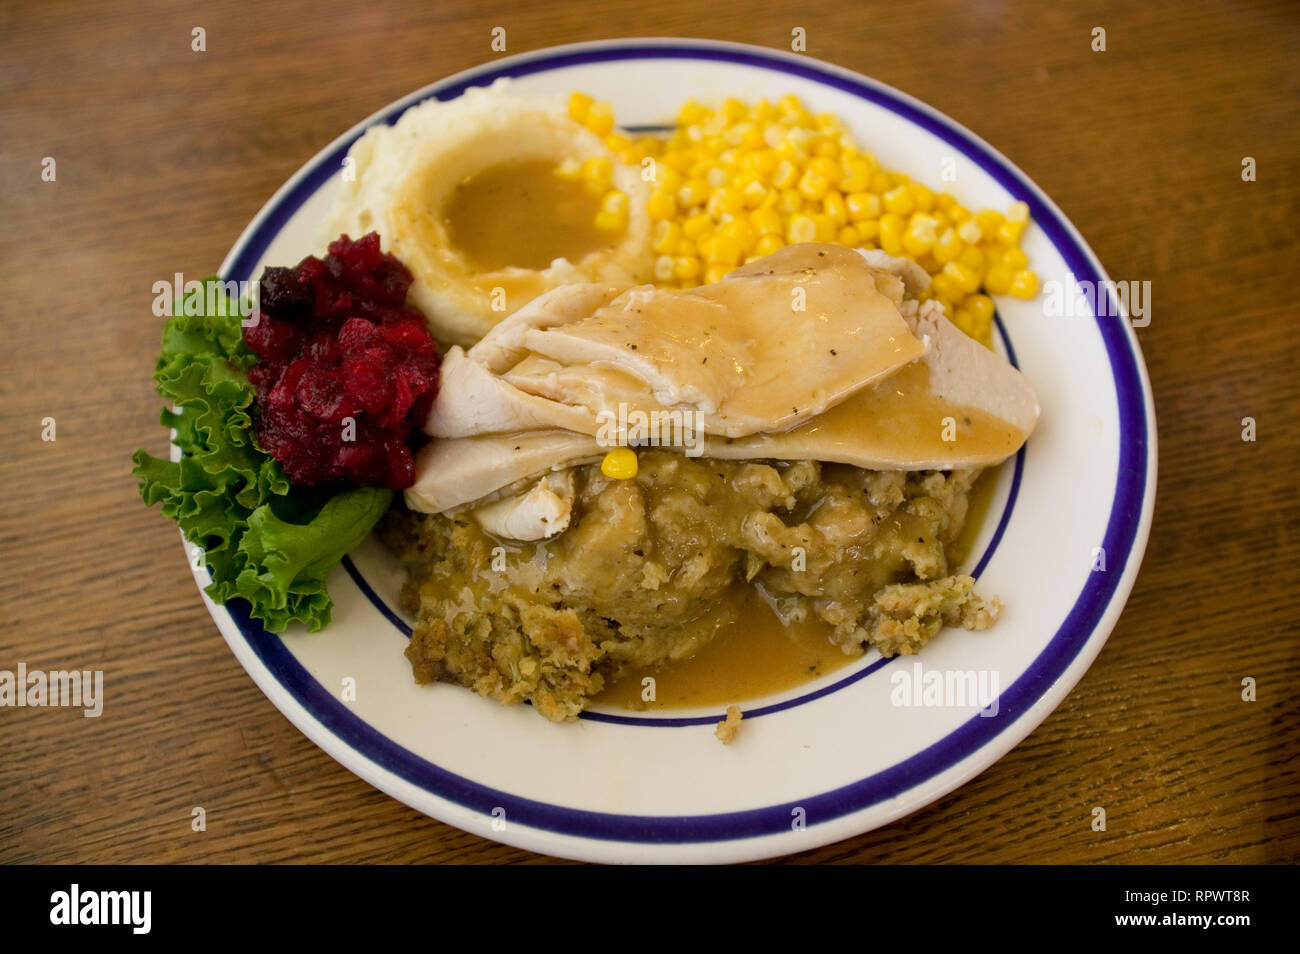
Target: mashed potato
[463,193]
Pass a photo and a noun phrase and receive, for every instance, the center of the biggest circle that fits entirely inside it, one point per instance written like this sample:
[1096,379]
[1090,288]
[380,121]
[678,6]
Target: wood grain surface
[163,156]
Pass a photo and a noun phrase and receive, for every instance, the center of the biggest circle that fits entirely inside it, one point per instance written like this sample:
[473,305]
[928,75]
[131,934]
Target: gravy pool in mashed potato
[464,193]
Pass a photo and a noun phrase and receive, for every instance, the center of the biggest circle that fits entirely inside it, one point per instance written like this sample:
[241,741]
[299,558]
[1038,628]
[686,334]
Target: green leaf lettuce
[266,542]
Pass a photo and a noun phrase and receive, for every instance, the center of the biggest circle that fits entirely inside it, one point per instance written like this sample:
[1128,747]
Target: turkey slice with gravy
[870,377]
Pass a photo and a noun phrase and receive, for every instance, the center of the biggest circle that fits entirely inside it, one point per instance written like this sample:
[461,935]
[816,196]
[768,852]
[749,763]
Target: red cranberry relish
[336,341]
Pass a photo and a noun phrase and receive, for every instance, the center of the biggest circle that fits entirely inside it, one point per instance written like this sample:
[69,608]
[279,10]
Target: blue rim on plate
[1122,530]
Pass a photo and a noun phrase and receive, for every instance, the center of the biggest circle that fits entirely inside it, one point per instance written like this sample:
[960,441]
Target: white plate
[810,766]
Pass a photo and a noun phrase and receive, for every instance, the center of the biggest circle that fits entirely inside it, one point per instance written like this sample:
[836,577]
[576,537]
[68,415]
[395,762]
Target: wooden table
[164,154]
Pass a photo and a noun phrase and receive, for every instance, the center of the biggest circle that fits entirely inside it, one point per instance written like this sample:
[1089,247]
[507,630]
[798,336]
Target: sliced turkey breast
[530,403]
[542,510]
[453,473]
[772,345]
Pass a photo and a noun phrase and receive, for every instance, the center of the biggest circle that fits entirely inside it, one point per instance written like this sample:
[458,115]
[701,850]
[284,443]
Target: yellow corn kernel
[827,168]
[969,230]
[759,163]
[827,148]
[943,202]
[881,182]
[754,194]
[785,175]
[716,177]
[790,201]
[1019,212]
[972,258]
[813,185]
[666,235]
[769,243]
[690,112]
[962,276]
[948,247]
[614,201]
[668,178]
[662,204]
[618,143]
[825,226]
[685,248]
[743,179]
[600,118]
[611,221]
[792,151]
[997,280]
[751,136]
[942,286]
[664,267]
[922,197]
[963,319]
[696,225]
[596,174]
[868,230]
[833,205]
[579,103]
[619,464]
[891,233]
[1009,232]
[920,235]
[800,119]
[1024,284]
[716,273]
[862,205]
[801,229]
[569,169]
[1014,258]
[767,221]
[899,201]
[679,161]
[857,176]
[848,237]
[789,103]
[957,214]
[725,250]
[981,308]
[686,267]
[740,229]
[693,192]
[988,220]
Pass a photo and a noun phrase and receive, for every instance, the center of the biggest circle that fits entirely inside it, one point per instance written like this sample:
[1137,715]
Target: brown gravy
[522,214]
[756,655]
[901,418]
[978,502]
[753,656]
